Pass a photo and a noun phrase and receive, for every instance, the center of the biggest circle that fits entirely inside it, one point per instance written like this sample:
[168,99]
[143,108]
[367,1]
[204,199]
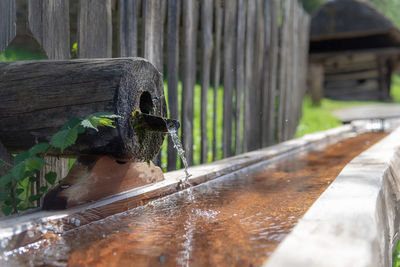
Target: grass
[17,54]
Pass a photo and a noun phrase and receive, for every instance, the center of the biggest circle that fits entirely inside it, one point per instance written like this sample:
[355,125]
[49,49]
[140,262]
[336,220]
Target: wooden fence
[255,49]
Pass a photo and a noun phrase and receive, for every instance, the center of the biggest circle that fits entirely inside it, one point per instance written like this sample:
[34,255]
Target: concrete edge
[355,222]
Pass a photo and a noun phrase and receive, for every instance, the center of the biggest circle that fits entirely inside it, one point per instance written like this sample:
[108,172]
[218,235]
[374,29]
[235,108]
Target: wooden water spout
[38,97]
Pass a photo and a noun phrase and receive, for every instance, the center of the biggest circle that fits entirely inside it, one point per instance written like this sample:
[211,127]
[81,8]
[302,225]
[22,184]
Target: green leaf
[19,191]
[21,157]
[72,123]
[35,163]
[32,179]
[3,196]
[105,115]
[38,148]
[51,177]
[18,172]
[90,123]
[35,197]
[64,138]
[4,180]
[7,210]
[43,189]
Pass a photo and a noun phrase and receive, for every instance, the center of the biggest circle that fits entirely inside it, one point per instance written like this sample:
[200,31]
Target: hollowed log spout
[38,97]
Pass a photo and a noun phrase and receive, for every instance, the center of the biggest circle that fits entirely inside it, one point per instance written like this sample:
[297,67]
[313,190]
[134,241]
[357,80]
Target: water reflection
[226,222]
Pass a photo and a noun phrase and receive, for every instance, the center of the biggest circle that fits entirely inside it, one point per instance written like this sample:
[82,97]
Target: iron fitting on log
[38,97]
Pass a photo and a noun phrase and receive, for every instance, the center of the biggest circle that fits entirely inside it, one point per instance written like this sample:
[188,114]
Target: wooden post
[95,29]
[190,22]
[229,72]
[51,92]
[128,27]
[172,72]
[207,48]
[316,82]
[7,23]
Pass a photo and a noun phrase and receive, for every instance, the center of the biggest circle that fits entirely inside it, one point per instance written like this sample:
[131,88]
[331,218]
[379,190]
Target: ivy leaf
[35,163]
[51,177]
[43,189]
[3,196]
[19,191]
[105,115]
[6,210]
[38,148]
[35,197]
[18,172]
[64,138]
[21,157]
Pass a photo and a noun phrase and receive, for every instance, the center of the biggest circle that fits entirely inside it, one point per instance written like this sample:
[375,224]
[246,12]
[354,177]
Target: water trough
[353,223]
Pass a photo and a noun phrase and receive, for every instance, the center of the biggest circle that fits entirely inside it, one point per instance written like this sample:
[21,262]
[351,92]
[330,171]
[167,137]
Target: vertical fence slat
[229,74]
[207,48]
[249,68]
[240,49]
[95,29]
[256,94]
[289,74]
[152,33]
[273,69]
[266,74]
[128,27]
[189,11]
[7,23]
[217,68]
[49,24]
[284,31]
[172,72]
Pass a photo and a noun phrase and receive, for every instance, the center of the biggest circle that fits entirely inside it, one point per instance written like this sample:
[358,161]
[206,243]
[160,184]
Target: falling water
[178,146]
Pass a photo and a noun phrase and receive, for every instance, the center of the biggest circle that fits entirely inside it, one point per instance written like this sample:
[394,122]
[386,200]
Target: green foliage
[16,185]
[391,9]
[15,54]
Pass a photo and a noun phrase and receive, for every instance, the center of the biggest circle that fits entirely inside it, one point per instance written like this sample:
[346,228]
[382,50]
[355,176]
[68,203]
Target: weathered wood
[249,81]
[152,33]
[49,24]
[172,72]
[229,73]
[6,160]
[217,68]
[95,29]
[240,71]
[266,75]
[7,23]
[273,70]
[352,75]
[103,174]
[128,27]
[51,92]
[207,48]
[190,17]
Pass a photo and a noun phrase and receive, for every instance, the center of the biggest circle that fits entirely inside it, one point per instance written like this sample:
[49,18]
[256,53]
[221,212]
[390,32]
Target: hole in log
[121,162]
[146,103]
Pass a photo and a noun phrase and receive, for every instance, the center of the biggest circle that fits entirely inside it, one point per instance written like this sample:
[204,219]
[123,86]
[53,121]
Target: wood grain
[7,23]
[128,27]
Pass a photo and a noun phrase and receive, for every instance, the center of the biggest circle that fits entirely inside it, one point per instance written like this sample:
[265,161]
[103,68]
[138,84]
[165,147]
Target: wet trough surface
[226,222]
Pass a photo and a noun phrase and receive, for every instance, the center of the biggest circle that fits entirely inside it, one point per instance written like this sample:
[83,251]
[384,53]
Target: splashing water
[178,146]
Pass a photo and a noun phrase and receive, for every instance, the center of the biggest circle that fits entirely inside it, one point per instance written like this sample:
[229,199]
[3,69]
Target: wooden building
[358,49]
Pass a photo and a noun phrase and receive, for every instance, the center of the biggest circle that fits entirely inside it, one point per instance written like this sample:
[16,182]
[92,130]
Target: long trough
[353,223]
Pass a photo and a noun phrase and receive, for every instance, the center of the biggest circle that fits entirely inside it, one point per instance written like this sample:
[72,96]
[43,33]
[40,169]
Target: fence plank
[284,31]
[49,24]
[217,68]
[207,48]
[128,27]
[172,72]
[289,74]
[249,80]
[152,33]
[265,109]
[95,29]
[240,71]
[229,74]
[7,23]
[189,11]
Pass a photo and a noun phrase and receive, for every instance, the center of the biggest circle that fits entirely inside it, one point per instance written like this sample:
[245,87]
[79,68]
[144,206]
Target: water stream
[178,146]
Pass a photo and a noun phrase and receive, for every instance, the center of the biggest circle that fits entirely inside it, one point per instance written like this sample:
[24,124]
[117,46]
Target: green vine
[17,185]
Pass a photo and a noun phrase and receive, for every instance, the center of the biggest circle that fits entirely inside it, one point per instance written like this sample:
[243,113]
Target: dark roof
[351,24]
